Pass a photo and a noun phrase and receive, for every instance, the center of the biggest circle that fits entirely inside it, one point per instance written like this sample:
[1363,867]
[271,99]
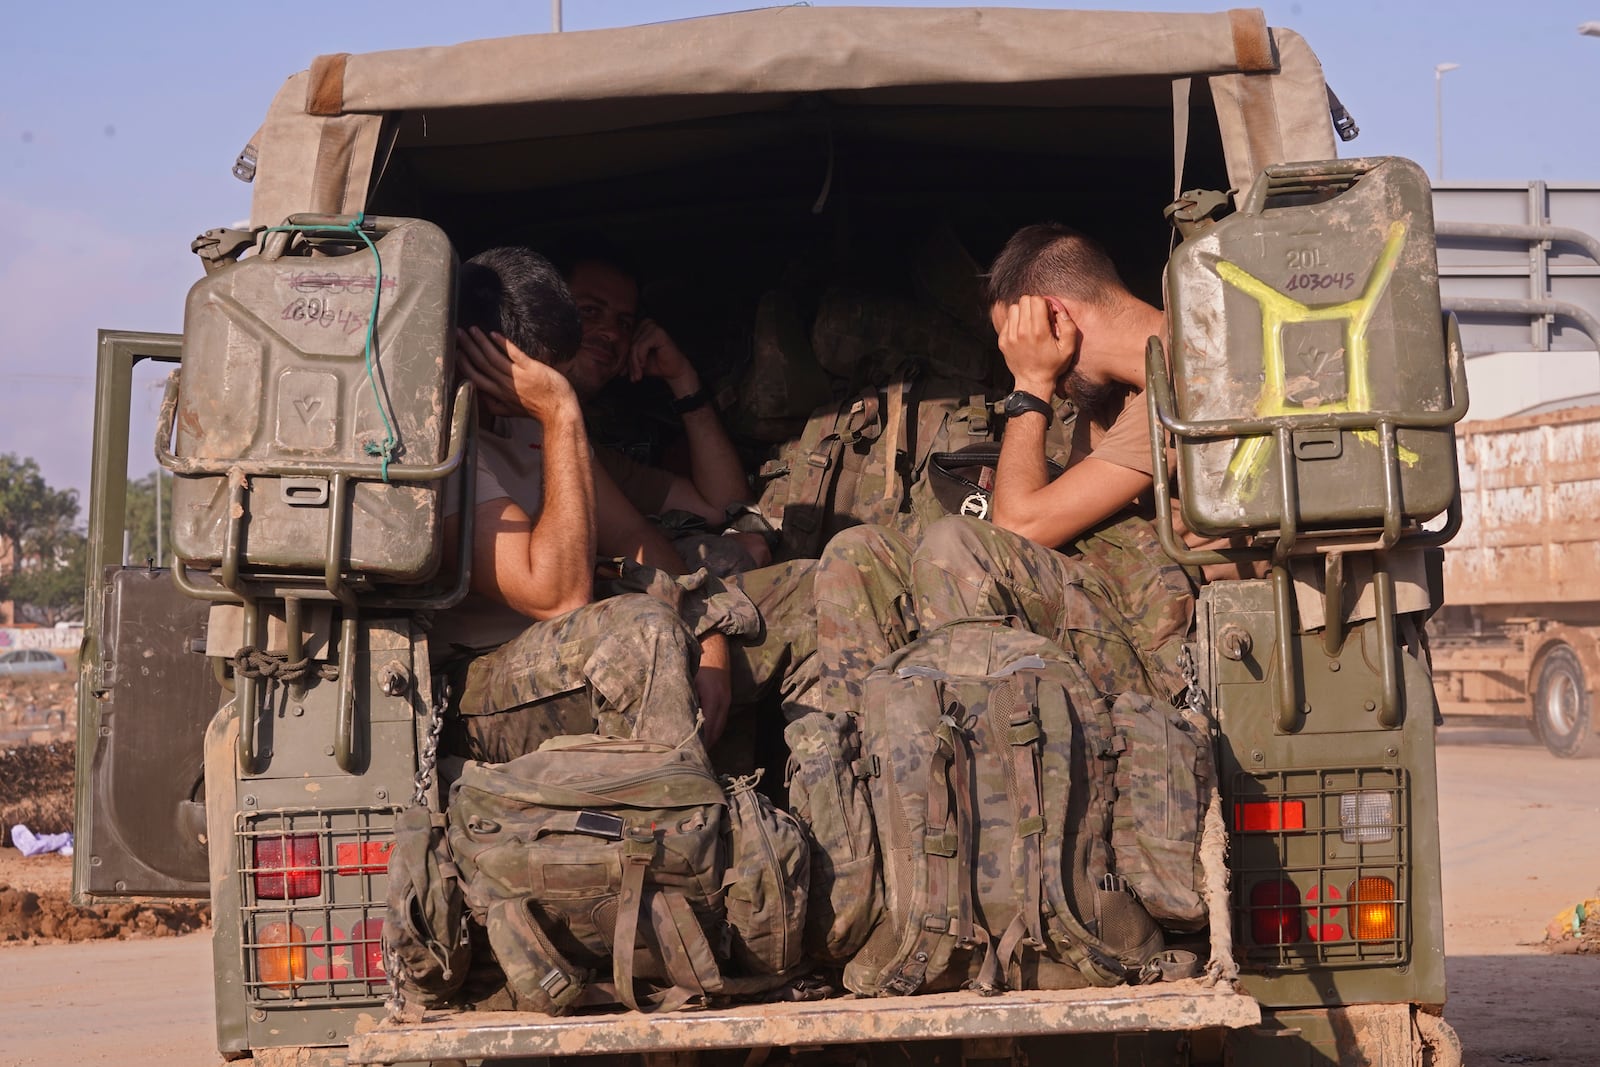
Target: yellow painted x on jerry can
[1320,297]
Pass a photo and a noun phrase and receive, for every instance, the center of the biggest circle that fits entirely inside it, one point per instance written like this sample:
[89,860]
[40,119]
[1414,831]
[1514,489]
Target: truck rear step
[1182,1005]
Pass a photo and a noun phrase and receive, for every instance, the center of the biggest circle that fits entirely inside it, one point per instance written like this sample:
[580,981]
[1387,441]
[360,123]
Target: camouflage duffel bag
[595,854]
[993,805]
[1166,773]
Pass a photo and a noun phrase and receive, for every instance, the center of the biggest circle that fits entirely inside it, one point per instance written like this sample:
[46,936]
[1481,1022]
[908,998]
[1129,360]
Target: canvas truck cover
[330,127]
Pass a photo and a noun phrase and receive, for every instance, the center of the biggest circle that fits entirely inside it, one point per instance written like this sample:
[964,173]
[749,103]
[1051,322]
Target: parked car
[31,661]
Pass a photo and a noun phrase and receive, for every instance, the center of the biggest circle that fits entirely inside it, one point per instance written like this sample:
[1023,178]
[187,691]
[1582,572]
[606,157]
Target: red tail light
[362,857]
[1275,913]
[366,950]
[287,867]
[1266,816]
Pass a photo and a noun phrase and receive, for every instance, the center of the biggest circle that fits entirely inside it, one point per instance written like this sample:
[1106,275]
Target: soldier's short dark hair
[1049,259]
[519,294]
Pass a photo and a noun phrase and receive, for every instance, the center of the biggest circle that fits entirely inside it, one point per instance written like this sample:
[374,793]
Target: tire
[1563,713]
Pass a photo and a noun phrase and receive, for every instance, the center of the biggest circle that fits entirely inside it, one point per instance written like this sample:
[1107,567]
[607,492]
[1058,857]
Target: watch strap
[694,401]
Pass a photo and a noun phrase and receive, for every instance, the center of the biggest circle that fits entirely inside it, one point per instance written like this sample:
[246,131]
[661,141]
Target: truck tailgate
[1183,1005]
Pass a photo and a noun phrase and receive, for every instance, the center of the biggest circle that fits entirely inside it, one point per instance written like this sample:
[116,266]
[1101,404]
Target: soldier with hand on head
[617,343]
[1066,326]
[532,653]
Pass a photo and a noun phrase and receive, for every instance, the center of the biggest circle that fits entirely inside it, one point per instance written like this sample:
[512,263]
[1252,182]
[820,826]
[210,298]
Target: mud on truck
[260,711]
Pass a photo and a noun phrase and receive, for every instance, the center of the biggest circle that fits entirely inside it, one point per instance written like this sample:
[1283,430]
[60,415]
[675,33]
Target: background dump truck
[1520,265]
[256,715]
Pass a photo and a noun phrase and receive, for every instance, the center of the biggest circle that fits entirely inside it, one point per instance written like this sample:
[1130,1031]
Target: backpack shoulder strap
[682,944]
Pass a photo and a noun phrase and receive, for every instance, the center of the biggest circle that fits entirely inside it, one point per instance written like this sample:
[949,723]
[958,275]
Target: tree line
[43,550]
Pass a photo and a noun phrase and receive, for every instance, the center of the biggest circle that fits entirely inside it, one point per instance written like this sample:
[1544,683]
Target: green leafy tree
[145,508]
[38,527]
[54,593]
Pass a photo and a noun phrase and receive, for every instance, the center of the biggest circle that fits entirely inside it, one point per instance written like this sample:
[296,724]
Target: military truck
[256,714]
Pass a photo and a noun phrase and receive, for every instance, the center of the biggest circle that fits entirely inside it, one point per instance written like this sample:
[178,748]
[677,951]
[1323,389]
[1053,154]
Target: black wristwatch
[1018,400]
[693,401]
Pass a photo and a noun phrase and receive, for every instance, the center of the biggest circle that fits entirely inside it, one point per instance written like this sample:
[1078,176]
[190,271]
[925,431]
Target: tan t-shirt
[510,465]
[1125,442]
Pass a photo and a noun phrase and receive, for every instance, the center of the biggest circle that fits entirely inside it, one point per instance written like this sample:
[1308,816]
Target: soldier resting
[617,343]
[1068,326]
[531,653]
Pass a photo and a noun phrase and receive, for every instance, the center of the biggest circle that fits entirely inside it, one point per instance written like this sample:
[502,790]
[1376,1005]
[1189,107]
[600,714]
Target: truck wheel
[1562,711]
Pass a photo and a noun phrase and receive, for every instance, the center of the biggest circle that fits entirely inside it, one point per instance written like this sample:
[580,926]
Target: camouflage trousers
[1117,600]
[624,666]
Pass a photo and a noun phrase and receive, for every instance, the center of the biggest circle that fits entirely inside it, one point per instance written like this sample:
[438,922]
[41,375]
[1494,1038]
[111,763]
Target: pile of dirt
[37,707]
[1576,931]
[35,892]
[36,788]
[26,916]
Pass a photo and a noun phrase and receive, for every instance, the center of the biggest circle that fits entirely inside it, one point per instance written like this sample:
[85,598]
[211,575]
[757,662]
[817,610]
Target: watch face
[1018,401]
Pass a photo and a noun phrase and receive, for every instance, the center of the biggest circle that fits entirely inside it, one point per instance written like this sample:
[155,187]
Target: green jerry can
[291,385]
[1314,306]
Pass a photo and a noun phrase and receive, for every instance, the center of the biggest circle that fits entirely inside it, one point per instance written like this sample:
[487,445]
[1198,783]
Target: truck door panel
[147,781]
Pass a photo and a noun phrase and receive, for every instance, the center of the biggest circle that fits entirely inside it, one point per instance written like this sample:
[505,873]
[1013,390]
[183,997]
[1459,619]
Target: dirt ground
[37,717]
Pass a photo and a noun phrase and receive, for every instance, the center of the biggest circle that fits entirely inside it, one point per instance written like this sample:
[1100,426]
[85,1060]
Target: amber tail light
[281,955]
[1372,909]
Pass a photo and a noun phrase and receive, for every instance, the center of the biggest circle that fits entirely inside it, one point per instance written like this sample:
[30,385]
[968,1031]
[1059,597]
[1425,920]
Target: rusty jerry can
[1314,308]
[318,371]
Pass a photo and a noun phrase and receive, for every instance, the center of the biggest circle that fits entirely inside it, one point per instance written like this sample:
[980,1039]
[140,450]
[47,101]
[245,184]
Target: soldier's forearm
[714,464]
[561,546]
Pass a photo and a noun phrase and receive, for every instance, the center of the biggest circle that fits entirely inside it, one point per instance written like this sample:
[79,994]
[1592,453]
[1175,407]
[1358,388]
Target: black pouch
[963,481]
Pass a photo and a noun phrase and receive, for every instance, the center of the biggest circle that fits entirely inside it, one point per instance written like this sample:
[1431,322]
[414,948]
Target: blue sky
[119,122]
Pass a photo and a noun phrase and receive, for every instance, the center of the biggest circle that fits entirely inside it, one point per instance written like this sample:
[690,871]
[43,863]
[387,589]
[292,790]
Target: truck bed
[1530,501]
[1182,1005]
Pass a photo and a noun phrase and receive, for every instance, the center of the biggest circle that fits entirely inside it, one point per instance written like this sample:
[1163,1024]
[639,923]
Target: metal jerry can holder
[1272,441]
[327,484]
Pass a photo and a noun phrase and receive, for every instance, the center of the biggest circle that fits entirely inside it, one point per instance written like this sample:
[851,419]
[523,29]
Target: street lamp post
[1438,113]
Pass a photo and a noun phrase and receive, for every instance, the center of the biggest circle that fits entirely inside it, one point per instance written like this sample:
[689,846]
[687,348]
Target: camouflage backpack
[596,853]
[995,790]
[827,782]
[857,460]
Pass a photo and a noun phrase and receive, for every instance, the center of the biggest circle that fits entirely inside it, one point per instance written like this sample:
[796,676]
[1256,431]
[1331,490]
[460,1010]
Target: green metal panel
[119,352]
[1337,747]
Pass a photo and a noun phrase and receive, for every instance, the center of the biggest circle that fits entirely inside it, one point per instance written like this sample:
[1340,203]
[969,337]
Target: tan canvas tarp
[317,147]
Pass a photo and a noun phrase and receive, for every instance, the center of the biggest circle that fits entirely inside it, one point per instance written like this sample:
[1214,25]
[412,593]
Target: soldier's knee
[640,616]
[956,539]
[859,545]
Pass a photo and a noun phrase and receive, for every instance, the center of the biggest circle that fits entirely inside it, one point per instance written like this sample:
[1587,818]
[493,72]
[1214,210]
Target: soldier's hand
[754,545]
[656,355]
[1039,341]
[713,684]
[511,381]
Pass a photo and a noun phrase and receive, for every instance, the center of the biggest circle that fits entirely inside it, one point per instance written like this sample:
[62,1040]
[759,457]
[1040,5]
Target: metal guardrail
[1540,274]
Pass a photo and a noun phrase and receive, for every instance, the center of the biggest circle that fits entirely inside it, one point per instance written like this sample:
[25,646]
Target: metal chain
[1194,697]
[395,1005]
[429,756]
[427,764]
